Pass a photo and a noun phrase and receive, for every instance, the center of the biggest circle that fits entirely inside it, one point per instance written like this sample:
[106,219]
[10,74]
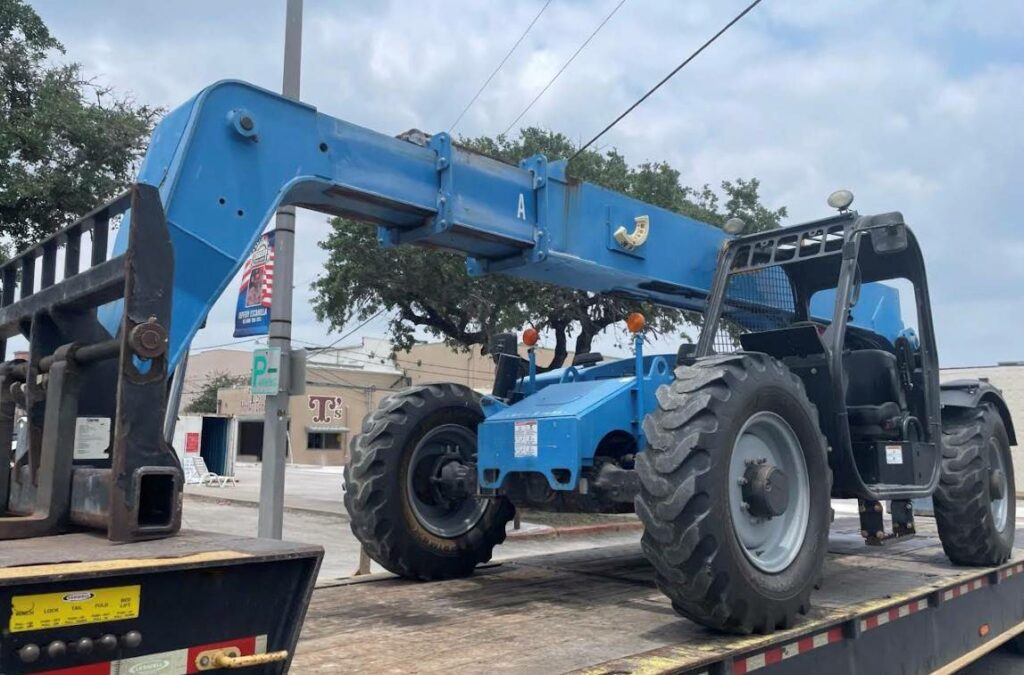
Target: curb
[576,530]
[212,499]
[542,532]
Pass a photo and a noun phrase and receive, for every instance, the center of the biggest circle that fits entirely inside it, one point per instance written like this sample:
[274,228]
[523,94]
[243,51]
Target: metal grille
[754,301]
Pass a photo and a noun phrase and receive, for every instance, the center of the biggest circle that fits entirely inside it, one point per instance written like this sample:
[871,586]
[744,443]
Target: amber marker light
[635,322]
[530,337]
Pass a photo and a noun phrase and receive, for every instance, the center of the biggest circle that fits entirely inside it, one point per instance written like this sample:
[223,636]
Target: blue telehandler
[804,384]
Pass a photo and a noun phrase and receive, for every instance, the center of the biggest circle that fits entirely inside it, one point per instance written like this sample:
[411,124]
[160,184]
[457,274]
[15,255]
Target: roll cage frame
[831,254]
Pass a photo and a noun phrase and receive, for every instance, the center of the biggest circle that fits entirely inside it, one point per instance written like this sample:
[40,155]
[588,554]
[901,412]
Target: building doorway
[214,446]
[250,440]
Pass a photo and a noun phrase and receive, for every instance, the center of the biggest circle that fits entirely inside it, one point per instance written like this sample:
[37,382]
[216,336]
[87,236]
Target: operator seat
[875,401]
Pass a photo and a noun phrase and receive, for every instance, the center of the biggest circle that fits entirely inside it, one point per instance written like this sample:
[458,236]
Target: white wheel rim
[999,507]
[770,544]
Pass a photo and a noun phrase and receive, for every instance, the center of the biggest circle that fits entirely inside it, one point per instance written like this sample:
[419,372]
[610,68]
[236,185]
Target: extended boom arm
[228,158]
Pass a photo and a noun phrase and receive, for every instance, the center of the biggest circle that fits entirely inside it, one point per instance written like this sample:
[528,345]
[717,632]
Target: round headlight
[840,199]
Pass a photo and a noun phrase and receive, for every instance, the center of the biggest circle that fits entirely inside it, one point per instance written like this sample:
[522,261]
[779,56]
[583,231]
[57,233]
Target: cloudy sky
[914,105]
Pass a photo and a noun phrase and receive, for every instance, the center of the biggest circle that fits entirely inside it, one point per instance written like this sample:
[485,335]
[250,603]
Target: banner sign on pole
[252,314]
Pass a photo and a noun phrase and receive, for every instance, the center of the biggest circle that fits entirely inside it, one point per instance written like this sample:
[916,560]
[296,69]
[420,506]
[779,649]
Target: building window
[319,440]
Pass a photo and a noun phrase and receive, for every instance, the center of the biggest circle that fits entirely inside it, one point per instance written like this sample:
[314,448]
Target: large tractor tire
[396,507]
[734,493]
[975,505]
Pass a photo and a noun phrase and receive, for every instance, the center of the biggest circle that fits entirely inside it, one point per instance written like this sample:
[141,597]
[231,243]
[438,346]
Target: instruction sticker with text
[73,608]
[92,437]
[526,438]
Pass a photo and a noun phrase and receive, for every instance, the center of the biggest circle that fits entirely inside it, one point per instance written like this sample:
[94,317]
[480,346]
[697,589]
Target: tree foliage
[66,143]
[431,290]
[206,400]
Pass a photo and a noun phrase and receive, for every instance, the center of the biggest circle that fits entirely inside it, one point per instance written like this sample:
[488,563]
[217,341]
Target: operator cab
[810,296]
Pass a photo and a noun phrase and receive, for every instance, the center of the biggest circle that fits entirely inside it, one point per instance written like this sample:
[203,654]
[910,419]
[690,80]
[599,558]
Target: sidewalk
[319,490]
[306,488]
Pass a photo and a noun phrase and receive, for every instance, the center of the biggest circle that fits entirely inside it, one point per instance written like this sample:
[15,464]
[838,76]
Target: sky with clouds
[914,105]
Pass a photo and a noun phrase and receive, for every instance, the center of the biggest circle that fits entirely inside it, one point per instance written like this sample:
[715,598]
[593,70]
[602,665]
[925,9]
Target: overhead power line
[668,77]
[312,344]
[564,66]
[352,331]
[495,71]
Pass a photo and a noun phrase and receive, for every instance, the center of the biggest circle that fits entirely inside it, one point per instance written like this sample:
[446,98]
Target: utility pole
[275,418]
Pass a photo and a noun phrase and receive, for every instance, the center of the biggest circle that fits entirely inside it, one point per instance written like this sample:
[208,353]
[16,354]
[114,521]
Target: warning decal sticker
[526,438]
[73,608]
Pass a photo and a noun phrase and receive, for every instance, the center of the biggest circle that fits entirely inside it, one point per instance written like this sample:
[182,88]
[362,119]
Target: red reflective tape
[805,644]
[91,669]
[246,647]
[740,667]
[835,634]
[772,656]
[872,622]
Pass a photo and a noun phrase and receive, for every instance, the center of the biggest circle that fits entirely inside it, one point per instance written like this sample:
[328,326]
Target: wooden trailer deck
[599,611]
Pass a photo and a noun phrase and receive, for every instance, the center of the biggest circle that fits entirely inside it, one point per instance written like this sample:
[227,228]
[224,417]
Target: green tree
[428,289]
[206,400]
[66,142]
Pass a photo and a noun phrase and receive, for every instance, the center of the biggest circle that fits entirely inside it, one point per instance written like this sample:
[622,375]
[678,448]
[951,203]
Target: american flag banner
[255,293]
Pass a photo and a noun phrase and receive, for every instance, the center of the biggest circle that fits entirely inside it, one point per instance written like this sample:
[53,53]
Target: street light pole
[275,417]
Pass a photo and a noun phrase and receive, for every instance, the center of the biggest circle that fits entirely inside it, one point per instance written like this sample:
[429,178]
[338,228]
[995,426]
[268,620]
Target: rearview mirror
[889,235]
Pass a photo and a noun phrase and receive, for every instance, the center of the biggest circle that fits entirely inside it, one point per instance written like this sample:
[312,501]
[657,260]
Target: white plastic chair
[209,478]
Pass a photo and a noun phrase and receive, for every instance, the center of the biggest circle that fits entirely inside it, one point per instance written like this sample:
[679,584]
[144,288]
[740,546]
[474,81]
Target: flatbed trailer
[898,608]
[79,604]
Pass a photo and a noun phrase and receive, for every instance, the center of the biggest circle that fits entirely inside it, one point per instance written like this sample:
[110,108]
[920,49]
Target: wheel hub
[441,481]
[765,490]
[454,480]
[769,492]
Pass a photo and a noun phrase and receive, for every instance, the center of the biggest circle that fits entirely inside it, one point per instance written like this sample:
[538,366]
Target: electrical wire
[353,330]
[564,66]
[668,77]
[226,344]
[495,71]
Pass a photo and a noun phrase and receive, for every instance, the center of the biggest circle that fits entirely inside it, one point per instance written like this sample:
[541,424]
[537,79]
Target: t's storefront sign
[327,409]
[326,429]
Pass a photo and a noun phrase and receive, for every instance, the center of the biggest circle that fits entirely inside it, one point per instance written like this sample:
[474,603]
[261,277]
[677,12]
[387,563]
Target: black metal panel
[76,369]
[237,588]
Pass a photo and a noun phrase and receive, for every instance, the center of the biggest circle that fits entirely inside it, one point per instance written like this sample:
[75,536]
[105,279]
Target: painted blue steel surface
[220,187]
[574,409]
[877,309]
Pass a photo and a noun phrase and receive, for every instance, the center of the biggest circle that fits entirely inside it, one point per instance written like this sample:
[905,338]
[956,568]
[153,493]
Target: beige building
[204,365]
